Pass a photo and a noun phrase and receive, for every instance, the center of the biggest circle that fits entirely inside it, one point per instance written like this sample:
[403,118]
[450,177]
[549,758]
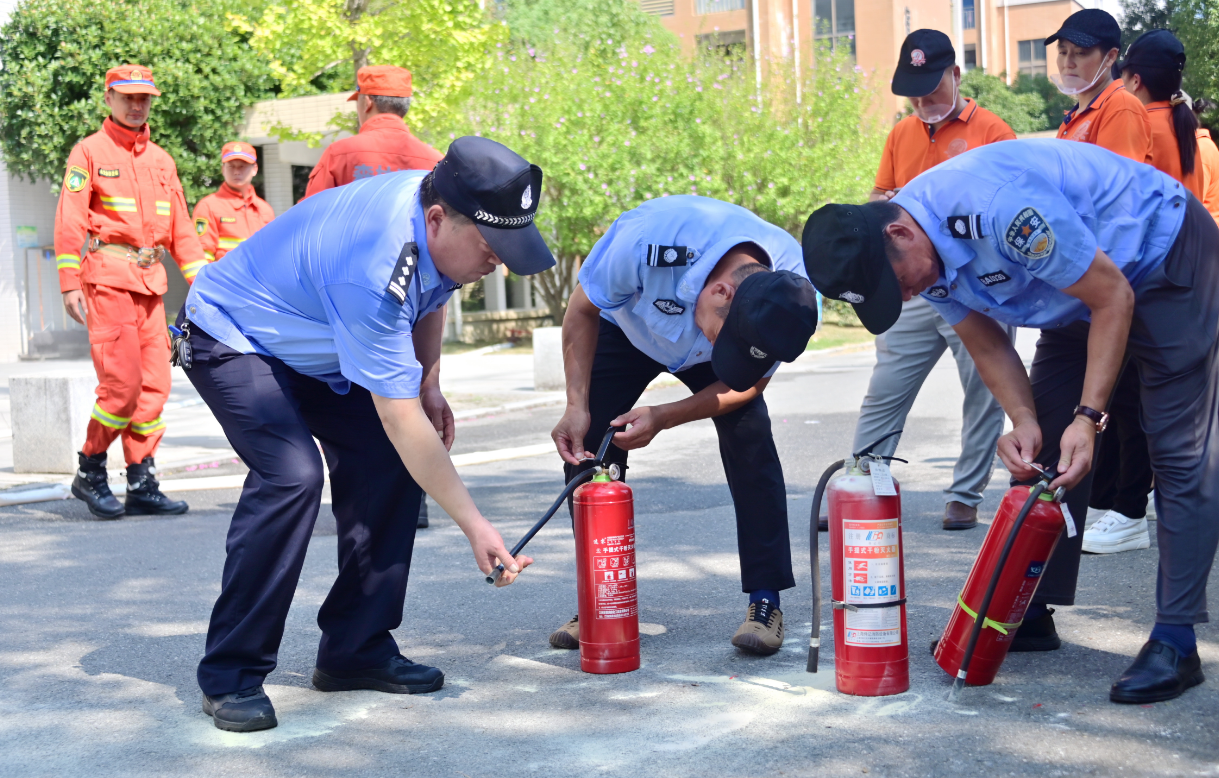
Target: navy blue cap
[1158,49]
[499,191]
[925,55]
[844,255]
[772,317]
[1090,27]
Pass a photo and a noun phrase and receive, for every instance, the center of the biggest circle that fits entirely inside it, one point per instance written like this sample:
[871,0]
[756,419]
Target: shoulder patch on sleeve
[76,179]
[399,281]
[200,226]
[668,256]
[967,227]
[1030,234]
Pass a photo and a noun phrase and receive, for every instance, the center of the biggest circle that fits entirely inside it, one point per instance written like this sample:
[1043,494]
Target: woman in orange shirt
[1152,72]
[1208,158]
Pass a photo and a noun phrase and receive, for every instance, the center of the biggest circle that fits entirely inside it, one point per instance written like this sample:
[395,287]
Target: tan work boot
[567,636]
[762,632]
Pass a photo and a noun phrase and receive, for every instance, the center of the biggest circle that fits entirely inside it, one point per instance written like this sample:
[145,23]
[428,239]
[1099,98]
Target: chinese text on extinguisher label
[872,570]
[614,577]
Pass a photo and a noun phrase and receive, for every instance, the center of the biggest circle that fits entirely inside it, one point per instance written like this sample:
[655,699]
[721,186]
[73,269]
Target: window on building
[703,7]
[657,7]
[968,20]
[1032,57]
[300,181]
[730,44]
[971,56]
[834,21]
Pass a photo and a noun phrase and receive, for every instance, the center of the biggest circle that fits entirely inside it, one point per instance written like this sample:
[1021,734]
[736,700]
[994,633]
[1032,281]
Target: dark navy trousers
[620,374]
[271,415]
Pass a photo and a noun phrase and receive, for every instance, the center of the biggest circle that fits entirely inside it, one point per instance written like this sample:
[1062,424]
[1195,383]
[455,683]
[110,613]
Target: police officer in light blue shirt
[1111,259]
[709,292]
[326,324]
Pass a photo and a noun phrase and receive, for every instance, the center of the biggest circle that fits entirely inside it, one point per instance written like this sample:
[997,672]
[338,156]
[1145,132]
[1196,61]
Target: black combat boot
[144,496]
[91,485]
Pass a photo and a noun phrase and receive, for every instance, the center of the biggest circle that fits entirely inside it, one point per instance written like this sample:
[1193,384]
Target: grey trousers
[905,356]
[1174,343]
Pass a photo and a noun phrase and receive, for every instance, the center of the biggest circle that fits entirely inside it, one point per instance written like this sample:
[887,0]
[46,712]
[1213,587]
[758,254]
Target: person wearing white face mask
[1106,115]
[944,125]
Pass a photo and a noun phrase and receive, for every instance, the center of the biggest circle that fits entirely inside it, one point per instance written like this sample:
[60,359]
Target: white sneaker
[1114,532]
[1094,515]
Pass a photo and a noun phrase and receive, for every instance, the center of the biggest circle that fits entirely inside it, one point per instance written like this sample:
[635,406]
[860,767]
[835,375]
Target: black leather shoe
[91,484]
[398,675]
[1037,635]
[1159,673]
[248,710]
[144,495]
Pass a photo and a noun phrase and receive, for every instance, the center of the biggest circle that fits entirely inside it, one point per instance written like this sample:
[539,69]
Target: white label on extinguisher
[614,593]
[872,571]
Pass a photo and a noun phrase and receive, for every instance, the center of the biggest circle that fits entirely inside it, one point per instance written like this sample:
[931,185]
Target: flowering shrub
[614,122]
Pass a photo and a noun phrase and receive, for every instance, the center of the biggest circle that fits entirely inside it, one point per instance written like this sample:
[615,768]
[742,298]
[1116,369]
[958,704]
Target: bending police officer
[1045,234]
[327,324]
[709,292]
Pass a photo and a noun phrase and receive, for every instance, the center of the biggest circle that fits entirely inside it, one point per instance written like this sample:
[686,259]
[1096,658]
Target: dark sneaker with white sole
[248,710]
[1159,673]
[398,675]
[762,632]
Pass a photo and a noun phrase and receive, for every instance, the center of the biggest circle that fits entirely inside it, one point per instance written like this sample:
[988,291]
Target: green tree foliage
[55,54]
[618,115]
[1195,22]
[1056,103]
[1023,112]
[316,46]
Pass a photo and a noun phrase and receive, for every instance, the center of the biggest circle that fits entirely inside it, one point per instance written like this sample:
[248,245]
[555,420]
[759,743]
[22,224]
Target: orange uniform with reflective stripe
[384,145]
[1115,120]
[121,188]
[1208,163]
[227,217]
[1165,152]
[911,148]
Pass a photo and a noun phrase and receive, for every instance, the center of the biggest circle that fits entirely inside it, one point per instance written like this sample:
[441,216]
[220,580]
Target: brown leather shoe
[567,636]
[958,515]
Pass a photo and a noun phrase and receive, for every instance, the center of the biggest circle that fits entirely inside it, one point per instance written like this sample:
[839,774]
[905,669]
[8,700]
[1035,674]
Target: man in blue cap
[709,292]
[1109,258]
[326,324]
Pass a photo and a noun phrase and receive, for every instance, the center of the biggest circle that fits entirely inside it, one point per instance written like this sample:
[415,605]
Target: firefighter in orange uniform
[384,144]
[122,213]
[234,212]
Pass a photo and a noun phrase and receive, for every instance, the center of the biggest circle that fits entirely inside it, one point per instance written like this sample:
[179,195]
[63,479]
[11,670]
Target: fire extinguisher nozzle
[813,656]
[493,577]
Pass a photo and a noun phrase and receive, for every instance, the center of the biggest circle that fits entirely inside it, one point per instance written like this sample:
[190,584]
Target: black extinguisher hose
[958,683]
[814,640]
[567,490]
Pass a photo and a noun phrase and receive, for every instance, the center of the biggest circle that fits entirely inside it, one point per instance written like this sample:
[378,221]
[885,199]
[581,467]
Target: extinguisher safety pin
[858,606]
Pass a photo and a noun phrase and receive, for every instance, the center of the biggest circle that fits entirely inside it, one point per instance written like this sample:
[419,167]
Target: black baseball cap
[772,316]
[1090,27]
[926,54]
[1158,49]
[844,255]
[499,191]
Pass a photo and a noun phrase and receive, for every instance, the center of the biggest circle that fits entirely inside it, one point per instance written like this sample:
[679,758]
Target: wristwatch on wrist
[1099,418]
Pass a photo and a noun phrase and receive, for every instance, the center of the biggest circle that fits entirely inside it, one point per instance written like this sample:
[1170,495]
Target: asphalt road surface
[102,623]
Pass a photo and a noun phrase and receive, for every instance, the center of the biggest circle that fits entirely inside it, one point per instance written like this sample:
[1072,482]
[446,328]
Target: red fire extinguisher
[1001,584]
[868,590]
[605,576]
[604,520]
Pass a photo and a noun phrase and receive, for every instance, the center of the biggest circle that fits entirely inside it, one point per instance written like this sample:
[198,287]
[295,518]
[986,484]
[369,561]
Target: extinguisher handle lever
[603,449]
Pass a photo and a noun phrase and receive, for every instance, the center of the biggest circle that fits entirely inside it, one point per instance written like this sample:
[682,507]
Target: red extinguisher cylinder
[1031,550]
[871,651]
[605,577]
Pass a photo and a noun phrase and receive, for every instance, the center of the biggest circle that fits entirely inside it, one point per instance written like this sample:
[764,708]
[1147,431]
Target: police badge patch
[1030,234]
[669,307]
[76,179]
[200,226]
[668,256]
[400,281]
[938,292]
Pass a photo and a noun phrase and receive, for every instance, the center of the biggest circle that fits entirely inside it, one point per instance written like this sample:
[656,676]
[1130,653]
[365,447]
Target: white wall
[22,204]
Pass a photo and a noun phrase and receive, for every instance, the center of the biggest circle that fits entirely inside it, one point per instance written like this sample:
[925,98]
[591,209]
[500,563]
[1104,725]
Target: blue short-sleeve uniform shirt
[1015,223]
[647,271]
[312,288]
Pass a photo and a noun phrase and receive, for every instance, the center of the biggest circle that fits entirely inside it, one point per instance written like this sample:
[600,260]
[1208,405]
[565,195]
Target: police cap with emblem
[925,55]
[771,318]
[498,190]
[844,255]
